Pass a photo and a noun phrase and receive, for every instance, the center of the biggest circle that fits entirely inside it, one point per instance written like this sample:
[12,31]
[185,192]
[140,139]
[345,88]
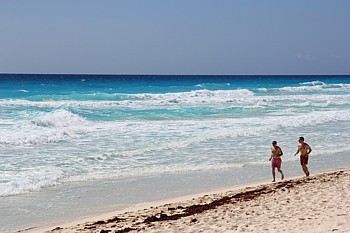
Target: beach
[318,203]
[161,116]
[78,146]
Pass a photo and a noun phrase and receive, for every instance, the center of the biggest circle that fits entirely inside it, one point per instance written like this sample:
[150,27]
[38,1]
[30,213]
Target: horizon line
[135,74]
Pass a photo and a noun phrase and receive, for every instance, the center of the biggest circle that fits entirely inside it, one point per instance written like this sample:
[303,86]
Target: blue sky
[175,37]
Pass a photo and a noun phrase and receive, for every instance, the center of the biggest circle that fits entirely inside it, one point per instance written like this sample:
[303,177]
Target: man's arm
[309,149]
[280,152]
[297,151]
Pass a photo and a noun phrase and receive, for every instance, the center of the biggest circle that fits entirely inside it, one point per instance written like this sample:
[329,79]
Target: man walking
[304,150]
[276,161]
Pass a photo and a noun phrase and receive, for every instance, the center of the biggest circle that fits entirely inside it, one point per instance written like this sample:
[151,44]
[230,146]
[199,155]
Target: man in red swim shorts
[276,161]
[304,150]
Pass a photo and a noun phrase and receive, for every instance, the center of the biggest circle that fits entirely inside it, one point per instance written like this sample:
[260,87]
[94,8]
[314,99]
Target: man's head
[274,143]
[301,139]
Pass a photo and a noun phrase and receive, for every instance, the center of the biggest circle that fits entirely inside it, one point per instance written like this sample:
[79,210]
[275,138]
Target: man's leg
[280,171]
[273,174]
[306,170]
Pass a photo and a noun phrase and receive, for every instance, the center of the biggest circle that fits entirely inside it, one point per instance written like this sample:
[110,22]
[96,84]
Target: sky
[225,37]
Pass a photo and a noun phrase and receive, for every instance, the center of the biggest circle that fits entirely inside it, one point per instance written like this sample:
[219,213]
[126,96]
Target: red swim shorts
[304,159]
[276,162]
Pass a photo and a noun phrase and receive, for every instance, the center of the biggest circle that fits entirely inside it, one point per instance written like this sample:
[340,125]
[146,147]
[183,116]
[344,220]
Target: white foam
[58,118]
[133,148]
[199,96]
[313,83]
[137,100]
[34,179]
[177,135]
[310,86]
[240,98]
[44,128]
[7,122]
[300,89]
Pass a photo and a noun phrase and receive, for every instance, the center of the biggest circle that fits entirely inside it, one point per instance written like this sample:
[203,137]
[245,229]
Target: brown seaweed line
[243,196]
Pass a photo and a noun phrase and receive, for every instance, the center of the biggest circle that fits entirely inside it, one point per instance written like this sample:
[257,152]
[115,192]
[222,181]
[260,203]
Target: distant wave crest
[310,86]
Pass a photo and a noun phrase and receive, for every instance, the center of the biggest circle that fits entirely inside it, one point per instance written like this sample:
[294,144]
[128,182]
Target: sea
[79,145]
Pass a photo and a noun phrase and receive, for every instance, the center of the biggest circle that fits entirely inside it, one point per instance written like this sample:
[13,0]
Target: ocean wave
[44,128]
[186,133]
[177,97]
[310,86]
[58,118]
[313,83]
[34,179]
[140,100]
[19,137]
[141,149]
[197,96]
[161,108]
[244,98]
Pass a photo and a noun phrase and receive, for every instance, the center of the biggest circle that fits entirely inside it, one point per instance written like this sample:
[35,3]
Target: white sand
[319,203]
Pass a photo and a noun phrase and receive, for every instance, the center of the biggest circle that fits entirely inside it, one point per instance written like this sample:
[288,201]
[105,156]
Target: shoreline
[138,207]
[168,213]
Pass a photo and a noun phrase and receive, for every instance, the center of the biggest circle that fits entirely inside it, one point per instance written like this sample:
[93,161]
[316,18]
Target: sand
[319,203]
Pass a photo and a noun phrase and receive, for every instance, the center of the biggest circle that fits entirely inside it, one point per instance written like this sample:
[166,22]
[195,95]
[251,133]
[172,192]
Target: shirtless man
[276,161]
[304,150]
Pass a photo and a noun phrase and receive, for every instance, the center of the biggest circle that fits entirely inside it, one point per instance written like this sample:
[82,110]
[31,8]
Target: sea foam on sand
[319,203]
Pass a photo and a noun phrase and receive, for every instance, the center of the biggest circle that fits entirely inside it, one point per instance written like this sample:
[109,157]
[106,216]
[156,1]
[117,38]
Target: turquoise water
[60,132]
